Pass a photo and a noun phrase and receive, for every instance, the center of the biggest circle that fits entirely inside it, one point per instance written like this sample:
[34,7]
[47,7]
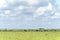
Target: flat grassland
[30,35]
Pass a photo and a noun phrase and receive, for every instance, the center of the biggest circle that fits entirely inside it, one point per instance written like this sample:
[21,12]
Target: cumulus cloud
[2,14]
[3,3]
[30,12]
[56,15]
[7,12]
[11,1]
[29,8]
[32,2]
[41,10]
[20,8]
[25,9]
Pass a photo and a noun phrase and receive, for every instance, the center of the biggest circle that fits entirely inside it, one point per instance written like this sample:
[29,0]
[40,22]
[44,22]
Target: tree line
[37,30]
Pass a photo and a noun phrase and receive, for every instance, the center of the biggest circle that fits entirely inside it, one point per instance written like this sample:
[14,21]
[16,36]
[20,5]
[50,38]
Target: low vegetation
[30,34]
[18,35]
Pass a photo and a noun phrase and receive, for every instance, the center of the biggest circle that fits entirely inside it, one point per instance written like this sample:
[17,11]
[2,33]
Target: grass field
[29,35]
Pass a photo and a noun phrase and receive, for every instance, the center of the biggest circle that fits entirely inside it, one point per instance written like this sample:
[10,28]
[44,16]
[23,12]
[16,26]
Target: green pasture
[29,35]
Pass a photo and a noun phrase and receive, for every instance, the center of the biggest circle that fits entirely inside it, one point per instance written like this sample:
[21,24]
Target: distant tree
[41,28]
[45,30]
[25,30]
[36,30]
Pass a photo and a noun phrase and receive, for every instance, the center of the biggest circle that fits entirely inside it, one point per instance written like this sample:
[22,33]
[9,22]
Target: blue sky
[29,14]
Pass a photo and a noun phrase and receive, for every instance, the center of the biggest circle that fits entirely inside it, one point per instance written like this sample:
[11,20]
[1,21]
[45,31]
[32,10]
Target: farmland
[21,35]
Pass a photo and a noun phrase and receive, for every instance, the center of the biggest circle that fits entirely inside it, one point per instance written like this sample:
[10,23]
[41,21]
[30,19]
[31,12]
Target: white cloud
[32,2]
[10,13]
[57,15]
[41,10]
[35,2]
[49,6]
[3,3]
[20,8]
[11,1]
[2,14]
[7,12]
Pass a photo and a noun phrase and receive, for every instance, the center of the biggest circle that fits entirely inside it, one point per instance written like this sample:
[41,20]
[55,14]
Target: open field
[7,35]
